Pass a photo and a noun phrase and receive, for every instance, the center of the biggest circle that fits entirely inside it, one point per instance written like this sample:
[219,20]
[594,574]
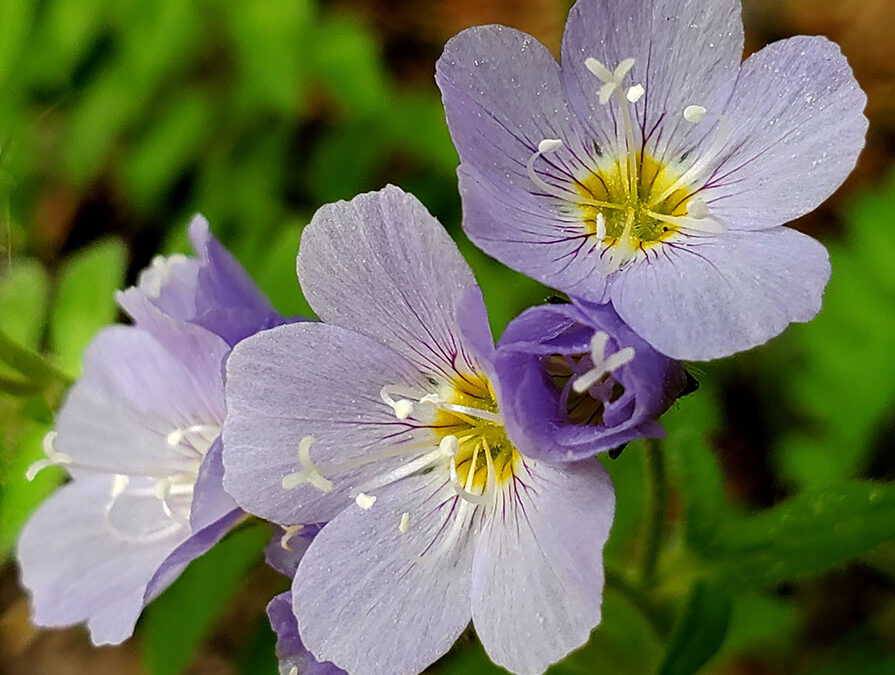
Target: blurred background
[121,118]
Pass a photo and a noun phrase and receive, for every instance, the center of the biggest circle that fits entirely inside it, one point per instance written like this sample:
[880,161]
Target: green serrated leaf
[175,623]
[85,300]
[699,631]
[811,532]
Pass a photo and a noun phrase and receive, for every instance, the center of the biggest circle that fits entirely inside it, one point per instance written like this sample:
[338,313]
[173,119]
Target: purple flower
[385,422]
[577,382]
[212,291]
[139,435]
[654,170]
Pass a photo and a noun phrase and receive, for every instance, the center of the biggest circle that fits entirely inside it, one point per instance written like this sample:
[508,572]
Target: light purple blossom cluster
[422,477]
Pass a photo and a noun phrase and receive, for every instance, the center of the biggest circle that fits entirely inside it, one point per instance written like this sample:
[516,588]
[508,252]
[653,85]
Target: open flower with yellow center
[653,169]
[385,422]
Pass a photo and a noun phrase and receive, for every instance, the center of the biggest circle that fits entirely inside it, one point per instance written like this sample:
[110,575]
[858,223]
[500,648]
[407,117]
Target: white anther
[364,500]
[601,226]
[694,113]
[175,437]
[697,208]
[403,409]
[549,145]
[293,670]
[449,445]
[288,533]
[404,525]
[598,346]
[635,93]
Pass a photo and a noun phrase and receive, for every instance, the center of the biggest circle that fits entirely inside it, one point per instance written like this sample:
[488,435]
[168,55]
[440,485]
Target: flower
[385,422]
[139,435]
[654,170]
[577,380]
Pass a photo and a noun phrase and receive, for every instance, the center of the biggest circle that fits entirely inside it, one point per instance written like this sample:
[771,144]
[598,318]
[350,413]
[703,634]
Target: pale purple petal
[684,51]
[210,502]
[293,658]
[382,265]
[796,129]
[723,294]
[309,379]
[79,566]
[134,392]
[228,303]
[365,598]
[537,581]
[503,96]
[553,248]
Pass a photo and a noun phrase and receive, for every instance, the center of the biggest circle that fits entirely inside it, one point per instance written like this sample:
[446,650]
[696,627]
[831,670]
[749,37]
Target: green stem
[30,364]
[657,498]
[17,387]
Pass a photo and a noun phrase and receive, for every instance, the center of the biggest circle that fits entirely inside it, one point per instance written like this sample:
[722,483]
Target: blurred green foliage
[120,119]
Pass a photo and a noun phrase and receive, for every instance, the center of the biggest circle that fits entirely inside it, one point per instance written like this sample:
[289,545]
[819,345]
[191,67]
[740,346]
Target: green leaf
[175,623]
[85,301]
[811,532]
[699,631]
[24,289]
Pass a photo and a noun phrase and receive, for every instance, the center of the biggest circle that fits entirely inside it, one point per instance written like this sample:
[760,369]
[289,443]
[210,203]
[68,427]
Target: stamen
[309,473]
[695,114]
[404,525]
[547,146]
[701,224]
[53,458]
[293,670]
[612,85]
[464,490]
[403,407]
[635,93]
[288,533]
[364,500]
[602,365]
[601,226]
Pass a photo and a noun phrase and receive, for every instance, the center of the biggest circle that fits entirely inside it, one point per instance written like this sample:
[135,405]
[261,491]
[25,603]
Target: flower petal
[503,96]
[538,571]
[796,131]
[364,598]
[228,303]
[684,52]
[210,501]
[382,265]
[77,568]
[318,380]
[134,392]
[293,658]
[723,294]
